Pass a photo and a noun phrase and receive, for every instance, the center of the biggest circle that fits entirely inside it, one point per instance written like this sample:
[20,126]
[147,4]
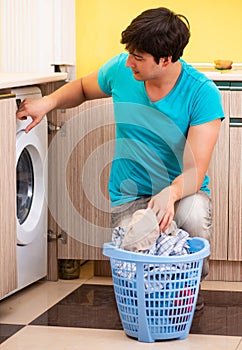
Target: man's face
[143,66]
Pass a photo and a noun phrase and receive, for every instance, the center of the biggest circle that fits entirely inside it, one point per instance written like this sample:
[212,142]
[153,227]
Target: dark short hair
[159,32]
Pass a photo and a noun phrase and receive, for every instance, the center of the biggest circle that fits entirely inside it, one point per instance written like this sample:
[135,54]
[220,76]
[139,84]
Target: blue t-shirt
[150,136]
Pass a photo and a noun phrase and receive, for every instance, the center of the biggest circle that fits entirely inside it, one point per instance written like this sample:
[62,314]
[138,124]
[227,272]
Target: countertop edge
[12,80]
[226,77]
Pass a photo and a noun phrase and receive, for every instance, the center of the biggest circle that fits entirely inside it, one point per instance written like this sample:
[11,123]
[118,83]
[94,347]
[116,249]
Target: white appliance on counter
[31,173]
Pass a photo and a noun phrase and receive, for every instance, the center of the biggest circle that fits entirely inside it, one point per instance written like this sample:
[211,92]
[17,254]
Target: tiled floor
[81,315]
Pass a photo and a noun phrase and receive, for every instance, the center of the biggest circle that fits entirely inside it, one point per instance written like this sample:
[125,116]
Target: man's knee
[194,215]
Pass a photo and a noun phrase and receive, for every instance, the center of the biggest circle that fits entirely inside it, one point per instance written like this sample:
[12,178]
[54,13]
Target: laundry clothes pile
[142,235]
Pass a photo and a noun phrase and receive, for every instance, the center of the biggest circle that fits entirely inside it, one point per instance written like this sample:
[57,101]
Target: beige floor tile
[222,286]
[87,271]
[206,285]
[100,280]
[42,338]
[25,305]
[240,345]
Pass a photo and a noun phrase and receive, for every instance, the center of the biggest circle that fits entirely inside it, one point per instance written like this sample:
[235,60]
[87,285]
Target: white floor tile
[43,338]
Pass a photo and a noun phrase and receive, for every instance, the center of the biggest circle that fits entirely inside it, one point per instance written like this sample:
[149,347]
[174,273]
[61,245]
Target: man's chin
[137,76]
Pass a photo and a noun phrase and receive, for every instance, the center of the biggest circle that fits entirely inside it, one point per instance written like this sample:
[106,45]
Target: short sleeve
[207,104]
[107,74]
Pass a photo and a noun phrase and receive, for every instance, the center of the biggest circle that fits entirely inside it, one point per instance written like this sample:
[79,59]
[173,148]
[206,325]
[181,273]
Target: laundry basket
[156,295]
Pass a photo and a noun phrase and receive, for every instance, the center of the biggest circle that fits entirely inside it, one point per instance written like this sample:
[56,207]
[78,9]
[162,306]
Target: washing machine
[31,185]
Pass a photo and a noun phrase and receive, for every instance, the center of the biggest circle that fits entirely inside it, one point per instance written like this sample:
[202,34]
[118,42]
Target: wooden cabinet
[79,162]
[8,240]
[235,195]
[79,157]
[219,180]
[235,175]
[226,186]
[85,150]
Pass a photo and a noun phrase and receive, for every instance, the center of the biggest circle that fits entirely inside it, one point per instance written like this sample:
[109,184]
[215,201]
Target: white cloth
[142,231]
[172,242]
[143,235]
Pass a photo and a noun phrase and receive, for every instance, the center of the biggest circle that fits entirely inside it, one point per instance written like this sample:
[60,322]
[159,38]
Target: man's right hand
[34,108]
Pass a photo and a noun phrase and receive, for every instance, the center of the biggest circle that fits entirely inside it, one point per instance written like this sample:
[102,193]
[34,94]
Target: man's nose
[130,61]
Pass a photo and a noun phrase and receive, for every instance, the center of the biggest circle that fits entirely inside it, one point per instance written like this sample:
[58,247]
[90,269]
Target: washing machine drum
[25,185]
[30,186]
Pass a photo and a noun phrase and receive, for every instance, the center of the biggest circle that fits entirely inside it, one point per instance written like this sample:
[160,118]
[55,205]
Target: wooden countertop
[11,80]
[234,74]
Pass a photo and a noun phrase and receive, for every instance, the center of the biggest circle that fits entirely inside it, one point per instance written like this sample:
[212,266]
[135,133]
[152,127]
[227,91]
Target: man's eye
[138,58]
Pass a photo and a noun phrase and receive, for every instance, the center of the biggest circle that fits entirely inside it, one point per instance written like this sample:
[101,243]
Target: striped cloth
[166,244]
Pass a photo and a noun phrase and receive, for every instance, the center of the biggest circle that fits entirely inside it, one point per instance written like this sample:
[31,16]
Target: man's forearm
[189,182]
[68,96]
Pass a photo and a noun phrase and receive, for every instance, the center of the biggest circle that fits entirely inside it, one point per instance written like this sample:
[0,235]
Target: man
[168,117]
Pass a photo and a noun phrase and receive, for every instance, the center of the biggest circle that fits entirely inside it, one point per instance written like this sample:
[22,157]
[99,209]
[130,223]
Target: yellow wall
[216,28]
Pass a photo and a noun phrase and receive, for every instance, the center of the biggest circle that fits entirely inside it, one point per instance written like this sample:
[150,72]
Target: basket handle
[144,332]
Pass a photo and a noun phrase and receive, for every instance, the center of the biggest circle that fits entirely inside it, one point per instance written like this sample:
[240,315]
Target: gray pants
[192,214]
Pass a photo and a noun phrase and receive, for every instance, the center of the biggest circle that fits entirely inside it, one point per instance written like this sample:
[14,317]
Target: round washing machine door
[30,185]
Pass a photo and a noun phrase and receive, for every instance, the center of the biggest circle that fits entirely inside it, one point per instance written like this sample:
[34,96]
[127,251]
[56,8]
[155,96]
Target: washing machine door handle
[22,124]
[20,132]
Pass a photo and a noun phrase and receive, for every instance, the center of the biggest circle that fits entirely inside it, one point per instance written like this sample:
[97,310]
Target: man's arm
[69,95]
[197,155]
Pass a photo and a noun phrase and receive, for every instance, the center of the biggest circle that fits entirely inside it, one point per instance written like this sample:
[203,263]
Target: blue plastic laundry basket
[156,295]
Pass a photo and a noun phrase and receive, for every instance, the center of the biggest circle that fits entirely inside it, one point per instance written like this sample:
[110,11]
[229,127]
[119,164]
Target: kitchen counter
[10,80]
[234,74]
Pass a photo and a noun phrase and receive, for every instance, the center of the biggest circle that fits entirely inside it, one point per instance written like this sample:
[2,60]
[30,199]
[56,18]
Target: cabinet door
[235,177]
[8,239]
[53,228]
[85,150]
[34,46]
[219,175]
[83,211]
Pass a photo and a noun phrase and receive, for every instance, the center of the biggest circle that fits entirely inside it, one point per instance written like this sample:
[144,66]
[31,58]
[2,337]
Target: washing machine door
[25,185]
[30,185]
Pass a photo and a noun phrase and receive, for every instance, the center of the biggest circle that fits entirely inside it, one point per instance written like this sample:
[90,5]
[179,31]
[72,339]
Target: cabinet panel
[86,176]
[8,240]
[85,150]
[53,228]
[235,195]
[235,183]
[219,175]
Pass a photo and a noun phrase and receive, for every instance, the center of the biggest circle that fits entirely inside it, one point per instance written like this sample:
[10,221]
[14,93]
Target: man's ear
[165,60]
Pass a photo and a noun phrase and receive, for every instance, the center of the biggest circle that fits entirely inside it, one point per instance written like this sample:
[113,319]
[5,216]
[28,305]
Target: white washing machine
[31,168]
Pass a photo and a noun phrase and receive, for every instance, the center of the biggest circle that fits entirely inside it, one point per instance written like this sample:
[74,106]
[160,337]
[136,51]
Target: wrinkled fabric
[173,242]
[142,231]
[166,245]
[169,245]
